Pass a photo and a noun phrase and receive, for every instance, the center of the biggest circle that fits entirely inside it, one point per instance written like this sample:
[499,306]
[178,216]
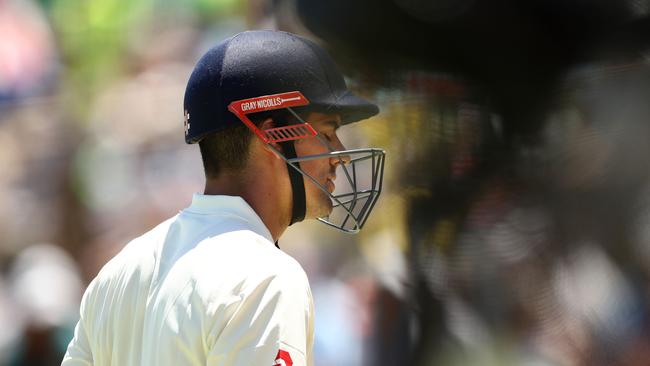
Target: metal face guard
[360,183]
[357,188]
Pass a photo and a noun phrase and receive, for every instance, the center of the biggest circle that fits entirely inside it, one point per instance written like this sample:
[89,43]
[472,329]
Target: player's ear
[267,124]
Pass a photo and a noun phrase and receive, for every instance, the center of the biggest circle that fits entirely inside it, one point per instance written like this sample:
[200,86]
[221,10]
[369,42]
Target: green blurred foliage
[94,35]
[218,7]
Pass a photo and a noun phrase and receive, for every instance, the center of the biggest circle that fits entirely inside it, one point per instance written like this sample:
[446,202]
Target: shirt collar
[233,205]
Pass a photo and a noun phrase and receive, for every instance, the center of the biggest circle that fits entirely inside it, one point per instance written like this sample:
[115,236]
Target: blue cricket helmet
[264,62]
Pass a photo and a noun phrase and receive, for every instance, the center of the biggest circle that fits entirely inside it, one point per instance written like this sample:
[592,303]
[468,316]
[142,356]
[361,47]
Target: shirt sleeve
[272,325]
[79,352]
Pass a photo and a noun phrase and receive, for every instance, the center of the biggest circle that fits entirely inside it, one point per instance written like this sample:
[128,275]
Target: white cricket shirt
[206,287]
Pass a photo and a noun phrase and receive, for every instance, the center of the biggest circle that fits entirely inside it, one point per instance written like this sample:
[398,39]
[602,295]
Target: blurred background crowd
[514,226]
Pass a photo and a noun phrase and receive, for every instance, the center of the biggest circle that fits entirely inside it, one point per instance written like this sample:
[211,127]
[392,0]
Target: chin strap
[297,184]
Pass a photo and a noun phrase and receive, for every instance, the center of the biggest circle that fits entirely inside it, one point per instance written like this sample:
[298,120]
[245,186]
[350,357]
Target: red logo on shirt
[283,359]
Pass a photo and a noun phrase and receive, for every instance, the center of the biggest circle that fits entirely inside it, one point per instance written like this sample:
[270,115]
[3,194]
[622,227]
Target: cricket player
[210,286]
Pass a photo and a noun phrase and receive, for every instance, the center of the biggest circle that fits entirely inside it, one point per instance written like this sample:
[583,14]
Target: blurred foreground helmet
[259,71]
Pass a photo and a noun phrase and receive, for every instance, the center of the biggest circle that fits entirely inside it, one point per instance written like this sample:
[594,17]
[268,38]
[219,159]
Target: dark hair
[229,149]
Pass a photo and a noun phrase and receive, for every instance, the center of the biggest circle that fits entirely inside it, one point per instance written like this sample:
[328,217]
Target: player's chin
[325,206]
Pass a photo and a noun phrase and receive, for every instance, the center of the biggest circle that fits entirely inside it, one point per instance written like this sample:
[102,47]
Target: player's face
[322,170]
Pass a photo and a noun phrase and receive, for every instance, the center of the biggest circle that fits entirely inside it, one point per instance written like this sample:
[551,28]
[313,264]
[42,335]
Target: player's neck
[262,190]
